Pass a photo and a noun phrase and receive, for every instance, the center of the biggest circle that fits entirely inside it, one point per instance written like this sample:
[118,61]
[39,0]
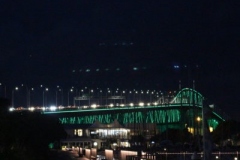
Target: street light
[71,90]
[198,121]
[16,88]
[4,89]
[29,96]
[46,89]
[60,90]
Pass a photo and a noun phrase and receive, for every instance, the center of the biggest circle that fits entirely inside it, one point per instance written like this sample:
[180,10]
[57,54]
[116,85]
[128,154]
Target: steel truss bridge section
[180,112]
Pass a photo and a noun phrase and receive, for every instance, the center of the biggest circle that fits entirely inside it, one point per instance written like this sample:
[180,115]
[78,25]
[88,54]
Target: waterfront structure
[180,111]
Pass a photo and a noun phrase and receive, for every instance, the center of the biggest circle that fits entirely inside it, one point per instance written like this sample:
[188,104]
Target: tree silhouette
[26,135]
[226,130]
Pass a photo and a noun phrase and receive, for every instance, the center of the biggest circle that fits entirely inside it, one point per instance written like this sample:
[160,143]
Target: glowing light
[53,108]
[31,108]
[95,144]
[85,106]
[135,68]
[155,103]
[93,105]
[61,107]
[131,104]
[11,109]
[141,104]
[111,105]
[211,129]
[198,119]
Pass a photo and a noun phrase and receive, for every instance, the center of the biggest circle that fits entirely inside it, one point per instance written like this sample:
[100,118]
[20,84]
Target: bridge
[184,110]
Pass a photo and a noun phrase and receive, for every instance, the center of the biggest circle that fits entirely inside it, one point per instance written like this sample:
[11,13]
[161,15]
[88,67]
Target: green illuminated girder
[213,123]
[151,116]
[188,96]
[182,110]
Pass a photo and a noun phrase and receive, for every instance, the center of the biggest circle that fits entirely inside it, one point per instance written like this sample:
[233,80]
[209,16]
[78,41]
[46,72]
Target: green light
[183,109]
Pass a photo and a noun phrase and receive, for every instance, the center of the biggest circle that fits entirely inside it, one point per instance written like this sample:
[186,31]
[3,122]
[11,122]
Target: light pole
[29,96]
[198,121]
[71,90]
[124,101]
[16,88]
[89,98]
[4,89]
[109,91]
[100,94]
[46,89]
[198,135]
[60,90]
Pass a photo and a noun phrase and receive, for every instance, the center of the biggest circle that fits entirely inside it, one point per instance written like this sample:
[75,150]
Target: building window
[78,132]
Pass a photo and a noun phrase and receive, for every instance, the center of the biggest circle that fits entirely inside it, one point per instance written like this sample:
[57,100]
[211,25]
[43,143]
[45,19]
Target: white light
[43,108]
[93,105]
[216,157]
[60,107]
[141,104]
[122,105]
[53,108]
[148,104]
[131,104]
[11,109]
[155,103]
[111,105]
[95,144]
[31,108]
[235,158]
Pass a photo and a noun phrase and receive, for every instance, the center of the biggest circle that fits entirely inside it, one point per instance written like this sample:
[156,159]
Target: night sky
[128,44]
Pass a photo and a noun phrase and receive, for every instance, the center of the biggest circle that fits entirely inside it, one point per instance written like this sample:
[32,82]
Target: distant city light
[176,66]
[135,68]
